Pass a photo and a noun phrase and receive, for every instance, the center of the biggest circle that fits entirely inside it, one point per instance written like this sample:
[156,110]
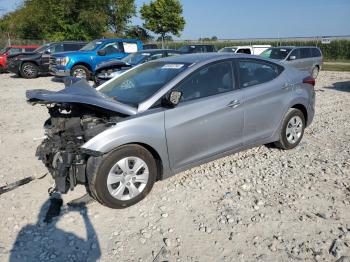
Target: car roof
[294,46]
[203,57]
[155,50]
[117,39]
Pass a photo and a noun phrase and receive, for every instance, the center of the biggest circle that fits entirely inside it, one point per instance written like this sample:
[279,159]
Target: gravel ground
[259,205]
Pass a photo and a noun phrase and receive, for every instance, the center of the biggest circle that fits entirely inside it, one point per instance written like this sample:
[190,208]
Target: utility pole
[9,39]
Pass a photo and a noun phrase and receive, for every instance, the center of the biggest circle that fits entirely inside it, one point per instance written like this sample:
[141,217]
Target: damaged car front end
[71,124]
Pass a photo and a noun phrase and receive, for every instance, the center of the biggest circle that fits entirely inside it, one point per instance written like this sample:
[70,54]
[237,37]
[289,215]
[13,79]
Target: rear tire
[122,177]
[292,129]
[29,70]
[81,71]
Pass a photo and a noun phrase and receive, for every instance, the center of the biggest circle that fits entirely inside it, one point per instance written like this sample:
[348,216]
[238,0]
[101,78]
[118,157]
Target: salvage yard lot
[262,204]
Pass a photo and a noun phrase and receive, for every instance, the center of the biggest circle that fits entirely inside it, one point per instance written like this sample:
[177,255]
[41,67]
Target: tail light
[309,80]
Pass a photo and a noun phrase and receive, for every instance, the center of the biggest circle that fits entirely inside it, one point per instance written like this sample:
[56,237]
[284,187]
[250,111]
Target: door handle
[234,103]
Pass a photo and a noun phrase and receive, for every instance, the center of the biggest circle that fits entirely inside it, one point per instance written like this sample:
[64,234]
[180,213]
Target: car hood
[79,92]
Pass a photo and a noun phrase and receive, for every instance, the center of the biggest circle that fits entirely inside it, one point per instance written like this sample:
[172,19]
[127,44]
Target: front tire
[29,70]
[81,71]
[292,130]
[123,177]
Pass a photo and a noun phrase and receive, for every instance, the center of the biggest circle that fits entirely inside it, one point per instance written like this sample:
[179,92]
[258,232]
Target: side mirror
[173,98]
[47,51]
[101,52]
[292,57]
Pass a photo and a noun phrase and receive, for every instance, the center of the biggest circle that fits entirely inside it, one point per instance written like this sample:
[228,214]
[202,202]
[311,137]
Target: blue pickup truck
[82,63]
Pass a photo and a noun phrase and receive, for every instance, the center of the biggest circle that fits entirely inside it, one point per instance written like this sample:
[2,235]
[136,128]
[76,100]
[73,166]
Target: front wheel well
[302,108]
[83,64]
[156,157]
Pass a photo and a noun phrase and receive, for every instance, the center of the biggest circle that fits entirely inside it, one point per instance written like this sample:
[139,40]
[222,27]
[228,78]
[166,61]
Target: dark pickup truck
[33,64]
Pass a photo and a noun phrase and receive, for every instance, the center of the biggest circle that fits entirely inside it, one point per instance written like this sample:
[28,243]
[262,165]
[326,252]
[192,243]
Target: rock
[321,215]
[164,215]
[142,240]
[167,242]
[343,259]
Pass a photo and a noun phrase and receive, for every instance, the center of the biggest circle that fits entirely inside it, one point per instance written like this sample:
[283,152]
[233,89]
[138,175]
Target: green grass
[336,67]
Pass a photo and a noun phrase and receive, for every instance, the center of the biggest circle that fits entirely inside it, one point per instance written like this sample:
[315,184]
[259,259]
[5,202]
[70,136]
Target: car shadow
[45,241]
[341,86]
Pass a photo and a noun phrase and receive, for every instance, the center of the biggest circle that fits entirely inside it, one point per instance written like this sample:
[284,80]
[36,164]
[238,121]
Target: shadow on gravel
[43,241]
[341,86]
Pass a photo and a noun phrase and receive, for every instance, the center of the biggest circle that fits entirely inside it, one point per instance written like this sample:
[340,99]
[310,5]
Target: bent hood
[79,92]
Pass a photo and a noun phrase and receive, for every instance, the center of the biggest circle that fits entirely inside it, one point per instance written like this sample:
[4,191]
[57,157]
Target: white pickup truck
[249,49]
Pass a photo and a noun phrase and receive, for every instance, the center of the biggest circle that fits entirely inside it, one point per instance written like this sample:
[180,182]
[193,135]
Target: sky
[235,19]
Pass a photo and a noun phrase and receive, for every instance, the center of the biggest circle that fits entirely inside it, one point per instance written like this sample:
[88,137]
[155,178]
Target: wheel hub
[127,178]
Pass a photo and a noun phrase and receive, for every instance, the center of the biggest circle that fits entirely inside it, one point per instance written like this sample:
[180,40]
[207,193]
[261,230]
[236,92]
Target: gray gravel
[259,205]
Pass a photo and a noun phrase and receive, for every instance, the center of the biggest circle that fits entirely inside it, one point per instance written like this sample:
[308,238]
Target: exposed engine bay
[67,129]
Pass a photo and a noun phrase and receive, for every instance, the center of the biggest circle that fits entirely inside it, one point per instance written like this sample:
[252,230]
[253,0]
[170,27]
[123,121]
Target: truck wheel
[29,70]
[81,71]
[292,130]
[123,177]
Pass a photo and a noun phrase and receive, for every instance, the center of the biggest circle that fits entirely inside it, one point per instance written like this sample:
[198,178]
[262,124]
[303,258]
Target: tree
[68,19]
[119,13]
[138,32]
[163,17]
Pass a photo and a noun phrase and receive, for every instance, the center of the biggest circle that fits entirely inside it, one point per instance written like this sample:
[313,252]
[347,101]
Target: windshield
[4,50]
[140,83]
[41,48]
[276,53]
[136,58]
[91,46]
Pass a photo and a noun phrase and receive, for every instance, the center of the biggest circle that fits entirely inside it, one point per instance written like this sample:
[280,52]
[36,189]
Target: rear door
[209,118]
[265,95]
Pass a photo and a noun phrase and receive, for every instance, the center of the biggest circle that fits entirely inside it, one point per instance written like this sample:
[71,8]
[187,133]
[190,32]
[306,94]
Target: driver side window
[112,48]
[207,81]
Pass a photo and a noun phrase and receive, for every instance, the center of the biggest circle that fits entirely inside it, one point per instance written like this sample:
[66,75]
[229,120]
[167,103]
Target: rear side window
[29,49]
[130,47]
[244,51]
[207,81]
[254,72]
[315,52]
[305,53]
[210,48]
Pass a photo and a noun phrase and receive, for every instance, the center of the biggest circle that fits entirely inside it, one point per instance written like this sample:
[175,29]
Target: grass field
[336,66]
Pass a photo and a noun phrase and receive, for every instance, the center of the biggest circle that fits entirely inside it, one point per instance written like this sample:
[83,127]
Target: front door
[209,118]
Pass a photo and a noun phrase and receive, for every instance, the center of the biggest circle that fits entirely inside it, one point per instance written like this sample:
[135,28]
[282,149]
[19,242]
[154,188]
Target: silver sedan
[167,116]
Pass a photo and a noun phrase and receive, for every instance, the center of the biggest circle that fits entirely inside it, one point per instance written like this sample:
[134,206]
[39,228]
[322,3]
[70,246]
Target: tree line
[90,19]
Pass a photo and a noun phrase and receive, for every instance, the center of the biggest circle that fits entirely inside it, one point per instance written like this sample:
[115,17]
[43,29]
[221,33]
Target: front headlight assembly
[62,61]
